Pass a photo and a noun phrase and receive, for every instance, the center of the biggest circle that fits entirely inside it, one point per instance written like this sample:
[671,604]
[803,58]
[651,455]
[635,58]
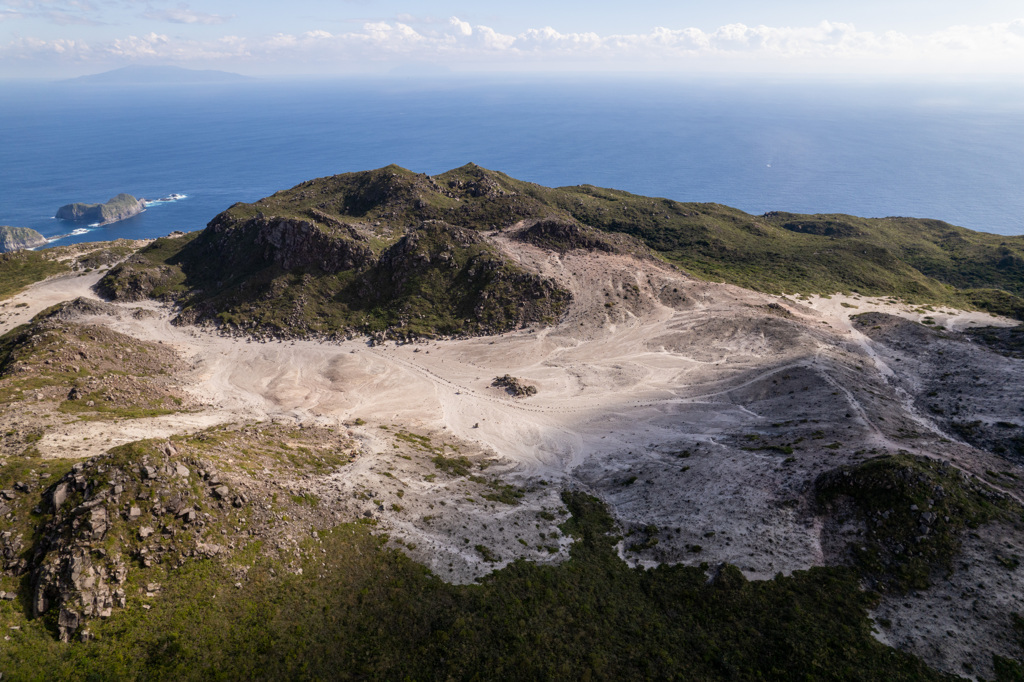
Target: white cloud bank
[997,48]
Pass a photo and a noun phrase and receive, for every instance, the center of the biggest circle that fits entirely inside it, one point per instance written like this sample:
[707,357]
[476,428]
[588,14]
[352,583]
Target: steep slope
[285,267]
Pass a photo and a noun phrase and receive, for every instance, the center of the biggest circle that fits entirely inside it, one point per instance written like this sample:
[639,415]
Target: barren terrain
[701,413]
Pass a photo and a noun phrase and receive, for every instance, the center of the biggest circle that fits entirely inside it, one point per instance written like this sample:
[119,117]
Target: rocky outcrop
[291,277]
[466,284]
[18,238]
[119,208]
[564,235]
[132,507]
[136,279]
[514,386]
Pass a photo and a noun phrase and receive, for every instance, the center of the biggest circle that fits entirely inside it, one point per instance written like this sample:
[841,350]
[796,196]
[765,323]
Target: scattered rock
[514,386]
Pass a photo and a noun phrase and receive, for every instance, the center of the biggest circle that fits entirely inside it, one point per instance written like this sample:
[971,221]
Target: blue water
[955,153]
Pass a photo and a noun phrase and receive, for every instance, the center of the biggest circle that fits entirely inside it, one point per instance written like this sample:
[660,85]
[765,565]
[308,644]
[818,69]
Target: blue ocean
[954,152]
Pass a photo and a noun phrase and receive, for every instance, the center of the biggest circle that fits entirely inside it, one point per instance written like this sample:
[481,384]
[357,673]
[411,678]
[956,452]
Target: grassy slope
[18,270]
[921,260]
[892,493]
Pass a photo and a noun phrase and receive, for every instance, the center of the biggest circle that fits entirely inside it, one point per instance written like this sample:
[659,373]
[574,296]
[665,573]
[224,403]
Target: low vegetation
[915,511]
[21,268]
[358,610]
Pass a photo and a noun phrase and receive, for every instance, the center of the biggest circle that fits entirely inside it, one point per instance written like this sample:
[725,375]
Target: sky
[66,38]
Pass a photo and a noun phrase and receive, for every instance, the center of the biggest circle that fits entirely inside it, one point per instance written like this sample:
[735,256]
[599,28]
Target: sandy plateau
[701,413]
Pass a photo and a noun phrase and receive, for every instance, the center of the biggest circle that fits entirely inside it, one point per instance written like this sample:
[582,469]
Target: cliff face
[288,277]
[119,208]
[18,238]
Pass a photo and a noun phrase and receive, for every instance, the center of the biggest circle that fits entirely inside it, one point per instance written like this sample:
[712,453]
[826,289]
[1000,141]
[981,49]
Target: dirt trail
[22,307]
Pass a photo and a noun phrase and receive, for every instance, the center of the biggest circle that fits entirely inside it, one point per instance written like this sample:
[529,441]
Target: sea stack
[119,208]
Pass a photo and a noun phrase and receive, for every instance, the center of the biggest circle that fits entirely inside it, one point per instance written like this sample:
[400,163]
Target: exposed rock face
[67,575]
[107,516]
[290,243]
[119,208]
[18,238]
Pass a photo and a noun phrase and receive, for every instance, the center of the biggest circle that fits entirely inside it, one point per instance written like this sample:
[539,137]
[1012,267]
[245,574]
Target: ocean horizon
[949,152]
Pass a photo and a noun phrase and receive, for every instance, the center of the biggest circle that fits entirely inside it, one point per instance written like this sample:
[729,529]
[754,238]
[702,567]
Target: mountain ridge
[332,231]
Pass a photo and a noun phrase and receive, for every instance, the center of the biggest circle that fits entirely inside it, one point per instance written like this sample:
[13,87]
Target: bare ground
[701,413]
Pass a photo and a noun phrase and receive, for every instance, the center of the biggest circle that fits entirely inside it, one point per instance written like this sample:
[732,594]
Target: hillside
[388,426]
[342,237]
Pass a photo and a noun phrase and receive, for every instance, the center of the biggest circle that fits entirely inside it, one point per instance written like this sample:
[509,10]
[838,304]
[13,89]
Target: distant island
[157,75]
[18,238]
[119,208]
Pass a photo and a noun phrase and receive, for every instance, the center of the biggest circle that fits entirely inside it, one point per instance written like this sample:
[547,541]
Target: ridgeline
[402,254]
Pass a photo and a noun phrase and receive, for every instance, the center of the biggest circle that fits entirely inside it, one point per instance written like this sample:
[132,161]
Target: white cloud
[134,47]
[462,27]
[994,47]
[490,39]
[548,39]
